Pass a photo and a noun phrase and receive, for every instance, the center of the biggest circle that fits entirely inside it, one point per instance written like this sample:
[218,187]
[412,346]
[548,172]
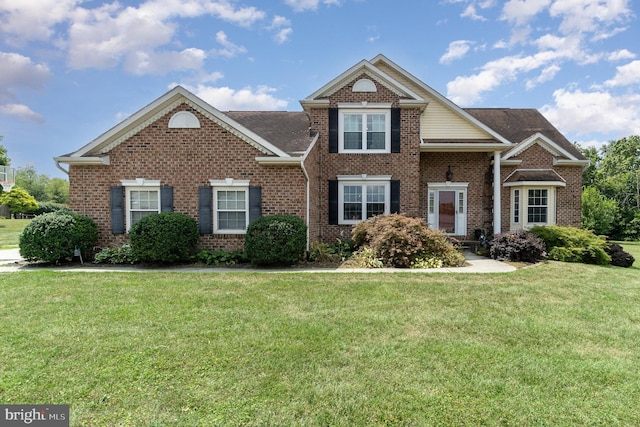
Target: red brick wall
[471,168]
[185,159]
[568,199]
[403,166]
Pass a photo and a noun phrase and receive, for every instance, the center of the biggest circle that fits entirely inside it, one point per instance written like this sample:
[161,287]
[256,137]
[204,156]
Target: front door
[447,211]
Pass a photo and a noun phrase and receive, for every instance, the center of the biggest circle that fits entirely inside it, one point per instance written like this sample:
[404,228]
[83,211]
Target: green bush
[166,237]
[53,237]
[401,241]
[364,258]
[324,252]
[220,257]
[47,207]
[276,240]
[571,244]
[121,255]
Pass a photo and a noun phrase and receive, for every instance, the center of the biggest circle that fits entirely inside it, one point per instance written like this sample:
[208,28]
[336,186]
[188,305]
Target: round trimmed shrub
[401,241]
[166,237]
[276,240]
[47,207]
[53,237]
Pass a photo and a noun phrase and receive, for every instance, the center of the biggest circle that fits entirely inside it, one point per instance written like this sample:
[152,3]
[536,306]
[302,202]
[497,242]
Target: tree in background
[598,212]
[41,187]
[4,160]
[615,174]
[18,201]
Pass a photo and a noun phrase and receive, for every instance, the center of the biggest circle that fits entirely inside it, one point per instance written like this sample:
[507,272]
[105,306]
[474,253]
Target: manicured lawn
[555,344]
[10,230]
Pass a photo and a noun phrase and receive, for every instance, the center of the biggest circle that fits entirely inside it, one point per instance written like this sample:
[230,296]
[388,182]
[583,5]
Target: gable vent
[364,85]
[184,119]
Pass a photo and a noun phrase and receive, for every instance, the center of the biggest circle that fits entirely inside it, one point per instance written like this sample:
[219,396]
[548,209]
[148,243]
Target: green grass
[555,344]
[10,230]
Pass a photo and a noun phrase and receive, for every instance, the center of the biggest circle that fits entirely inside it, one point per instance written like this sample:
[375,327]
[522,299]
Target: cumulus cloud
[620,55]
[248,98]
[594,112]
[19,71]
[23,21]
[626,75]
[457,50]
[282,28]
[229,49]
[20,111]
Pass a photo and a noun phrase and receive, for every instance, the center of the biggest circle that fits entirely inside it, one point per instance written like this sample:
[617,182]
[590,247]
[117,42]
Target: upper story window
[364,131]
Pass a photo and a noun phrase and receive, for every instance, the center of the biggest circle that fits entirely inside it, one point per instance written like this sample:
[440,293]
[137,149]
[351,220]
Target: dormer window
[364,130]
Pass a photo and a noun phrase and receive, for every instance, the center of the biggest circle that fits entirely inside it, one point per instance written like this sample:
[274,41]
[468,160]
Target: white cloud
[470,12]
[594,112]
[21,111]
[248,98]
[33,20]
[457,50]
[546,75]
[19,71]
[626,75]
[589,15]
[303,5]
[621,54]
[141,63]
[229,49]
[282,27]
[520,12]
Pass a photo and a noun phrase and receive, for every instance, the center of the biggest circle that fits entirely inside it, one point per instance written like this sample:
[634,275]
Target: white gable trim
[363,67]
[161,106]
[544,142]
[444,100]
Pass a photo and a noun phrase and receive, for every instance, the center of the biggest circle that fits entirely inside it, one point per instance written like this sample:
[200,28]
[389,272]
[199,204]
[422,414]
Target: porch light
[449,174]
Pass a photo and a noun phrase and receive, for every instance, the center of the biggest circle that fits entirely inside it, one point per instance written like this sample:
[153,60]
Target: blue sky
[72,69]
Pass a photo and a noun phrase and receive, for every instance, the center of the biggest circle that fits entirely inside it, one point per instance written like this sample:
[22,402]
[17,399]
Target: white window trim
[229,184]
[461,212]
[138,184]
[362,180]
[524,206]
[375,109]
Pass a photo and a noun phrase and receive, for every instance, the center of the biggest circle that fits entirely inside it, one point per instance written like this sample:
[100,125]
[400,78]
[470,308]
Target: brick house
[373,140]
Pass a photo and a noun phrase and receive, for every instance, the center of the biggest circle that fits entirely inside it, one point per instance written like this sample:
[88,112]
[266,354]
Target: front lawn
[555,344]
[10,230]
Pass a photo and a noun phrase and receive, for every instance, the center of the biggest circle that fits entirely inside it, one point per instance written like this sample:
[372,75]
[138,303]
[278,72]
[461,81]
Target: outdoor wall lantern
[449,174]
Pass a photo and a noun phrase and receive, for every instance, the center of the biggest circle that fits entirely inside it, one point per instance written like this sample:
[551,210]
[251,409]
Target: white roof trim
[446,101]
[75,160]
[370,71]
[535,184]
[161,106]
[282,161]
[544,142]
[463,147]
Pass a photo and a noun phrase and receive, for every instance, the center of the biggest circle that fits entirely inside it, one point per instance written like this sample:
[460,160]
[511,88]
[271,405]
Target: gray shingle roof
[289,131]
[518,124]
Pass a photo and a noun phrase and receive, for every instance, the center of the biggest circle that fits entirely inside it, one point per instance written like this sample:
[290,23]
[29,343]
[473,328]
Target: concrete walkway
[11,261]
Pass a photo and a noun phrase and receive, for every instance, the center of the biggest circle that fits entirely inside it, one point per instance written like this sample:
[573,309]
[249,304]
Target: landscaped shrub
[121,255]
[400,241]
[47,207]
[220,257]
[517,246]
[276,240]
[53,237]
[166,237]
[324,252]
[571,244]
[619,257]
[364,258]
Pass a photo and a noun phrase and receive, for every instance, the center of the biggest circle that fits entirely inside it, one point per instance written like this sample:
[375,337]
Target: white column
[497,211]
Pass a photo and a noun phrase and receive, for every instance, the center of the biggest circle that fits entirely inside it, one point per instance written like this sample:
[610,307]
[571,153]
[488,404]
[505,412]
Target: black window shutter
[255,203]
[166,199]
[333,130]
[394,206]
[395,130]
[205,209]
[333,202]
[117,210]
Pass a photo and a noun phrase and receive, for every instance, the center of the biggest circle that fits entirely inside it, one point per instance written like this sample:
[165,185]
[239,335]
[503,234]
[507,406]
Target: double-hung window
[359,200]
[537,206]
[364,131]
[231,206]
[142,199]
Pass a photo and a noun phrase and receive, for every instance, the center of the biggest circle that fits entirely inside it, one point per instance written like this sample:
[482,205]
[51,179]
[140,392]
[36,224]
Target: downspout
[306,175]
[497,206]
[61,168]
